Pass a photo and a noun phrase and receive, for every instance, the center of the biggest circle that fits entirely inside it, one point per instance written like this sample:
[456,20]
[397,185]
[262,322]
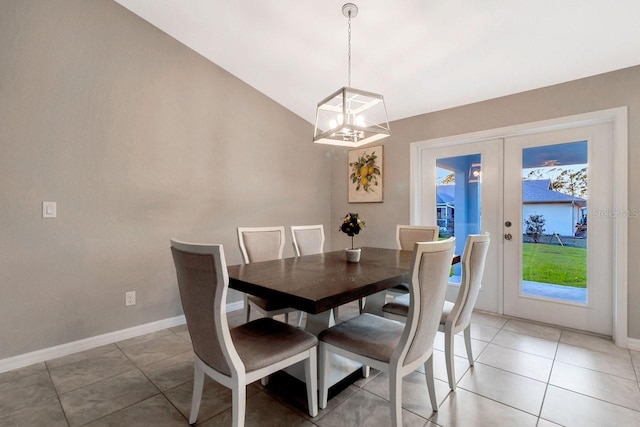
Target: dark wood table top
[316,283]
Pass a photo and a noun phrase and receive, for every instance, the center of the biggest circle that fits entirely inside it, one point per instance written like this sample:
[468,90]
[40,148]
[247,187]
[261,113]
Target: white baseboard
[633,344]
[38,356]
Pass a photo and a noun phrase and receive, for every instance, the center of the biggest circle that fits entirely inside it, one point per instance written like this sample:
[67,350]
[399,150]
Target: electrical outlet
[130,298]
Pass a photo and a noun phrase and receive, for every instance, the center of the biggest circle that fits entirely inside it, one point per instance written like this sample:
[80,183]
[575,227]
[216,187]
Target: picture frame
[366,175]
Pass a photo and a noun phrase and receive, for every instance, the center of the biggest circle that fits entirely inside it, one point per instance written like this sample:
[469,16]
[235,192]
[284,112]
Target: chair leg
[264,381]
[335,314]
[247,309]
[198,385]
[239,404]
[428,373]
[323,383]
[395,398]
[467,343]
[286,318]
[361,304]
[366,370]
[311,378]
[299,319]
[449,356]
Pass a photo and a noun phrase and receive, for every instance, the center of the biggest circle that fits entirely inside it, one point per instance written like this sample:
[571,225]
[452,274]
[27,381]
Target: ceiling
[422,55]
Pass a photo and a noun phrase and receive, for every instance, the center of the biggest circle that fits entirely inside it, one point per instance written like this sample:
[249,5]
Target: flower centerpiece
[351,225]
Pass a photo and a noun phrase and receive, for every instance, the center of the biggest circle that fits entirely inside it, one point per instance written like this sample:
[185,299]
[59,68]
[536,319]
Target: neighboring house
[561,211]
[445,198]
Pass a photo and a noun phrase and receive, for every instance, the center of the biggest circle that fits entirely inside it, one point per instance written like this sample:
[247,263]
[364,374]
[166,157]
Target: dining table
[318,283]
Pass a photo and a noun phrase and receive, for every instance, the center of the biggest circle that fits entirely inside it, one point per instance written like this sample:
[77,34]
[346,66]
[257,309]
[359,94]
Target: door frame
[618,118]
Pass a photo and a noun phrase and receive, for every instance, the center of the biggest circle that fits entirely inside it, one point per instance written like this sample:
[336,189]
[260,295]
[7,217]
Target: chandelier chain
[349,75]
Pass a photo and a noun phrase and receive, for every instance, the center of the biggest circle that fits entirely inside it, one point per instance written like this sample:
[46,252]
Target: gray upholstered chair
[239,356]
[406,237]
[262,244]
[456,316]
[392,346]
[309,240]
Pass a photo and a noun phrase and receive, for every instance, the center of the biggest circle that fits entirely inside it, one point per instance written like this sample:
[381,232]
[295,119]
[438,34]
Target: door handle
[507,236]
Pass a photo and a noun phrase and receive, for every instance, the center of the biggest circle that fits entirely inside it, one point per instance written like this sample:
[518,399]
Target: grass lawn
[560,265]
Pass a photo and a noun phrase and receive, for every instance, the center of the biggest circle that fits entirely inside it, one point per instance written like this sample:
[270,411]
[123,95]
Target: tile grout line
[513,373]
[447,396]
[160,392]
[547,383]
[546,388]
[451,392]
[134,367]
[498,402]
[64,412]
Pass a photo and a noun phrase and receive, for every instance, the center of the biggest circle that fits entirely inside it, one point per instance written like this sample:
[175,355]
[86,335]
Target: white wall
[138,139]
[559,218]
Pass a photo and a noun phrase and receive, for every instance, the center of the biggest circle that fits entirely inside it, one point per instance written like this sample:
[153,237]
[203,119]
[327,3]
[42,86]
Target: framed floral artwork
[365,175]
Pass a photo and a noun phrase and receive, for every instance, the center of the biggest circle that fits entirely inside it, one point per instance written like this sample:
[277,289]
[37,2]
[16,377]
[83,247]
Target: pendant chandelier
[351,117]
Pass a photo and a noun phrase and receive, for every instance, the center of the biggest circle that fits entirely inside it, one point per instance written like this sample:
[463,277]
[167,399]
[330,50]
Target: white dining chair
[309,240]
[456,316]
[391,346]
[239,356]
[262,244]
[406,237]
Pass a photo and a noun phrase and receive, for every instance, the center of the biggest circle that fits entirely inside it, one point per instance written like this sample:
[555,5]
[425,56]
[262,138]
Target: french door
[534,194]
[558,249]
[461,190]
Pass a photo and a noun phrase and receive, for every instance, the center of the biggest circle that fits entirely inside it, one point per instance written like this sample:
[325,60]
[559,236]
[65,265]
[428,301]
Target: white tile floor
[525,374]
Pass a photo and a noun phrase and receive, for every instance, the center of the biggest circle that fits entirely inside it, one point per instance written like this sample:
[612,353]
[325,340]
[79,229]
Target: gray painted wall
[138,139]
[615,89]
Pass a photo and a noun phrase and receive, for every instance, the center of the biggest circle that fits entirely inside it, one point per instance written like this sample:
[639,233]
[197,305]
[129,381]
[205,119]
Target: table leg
[341,367]
[374,302]
[317,323]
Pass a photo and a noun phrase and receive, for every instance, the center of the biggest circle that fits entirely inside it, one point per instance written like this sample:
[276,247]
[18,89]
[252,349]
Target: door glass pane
[554,222]
[458,200]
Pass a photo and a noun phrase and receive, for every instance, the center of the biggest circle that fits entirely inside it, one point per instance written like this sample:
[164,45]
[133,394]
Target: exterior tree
[573,183]
[564,181]
[535,227]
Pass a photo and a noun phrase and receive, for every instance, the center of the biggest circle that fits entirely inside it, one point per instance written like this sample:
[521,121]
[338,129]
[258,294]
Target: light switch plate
[49,210]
